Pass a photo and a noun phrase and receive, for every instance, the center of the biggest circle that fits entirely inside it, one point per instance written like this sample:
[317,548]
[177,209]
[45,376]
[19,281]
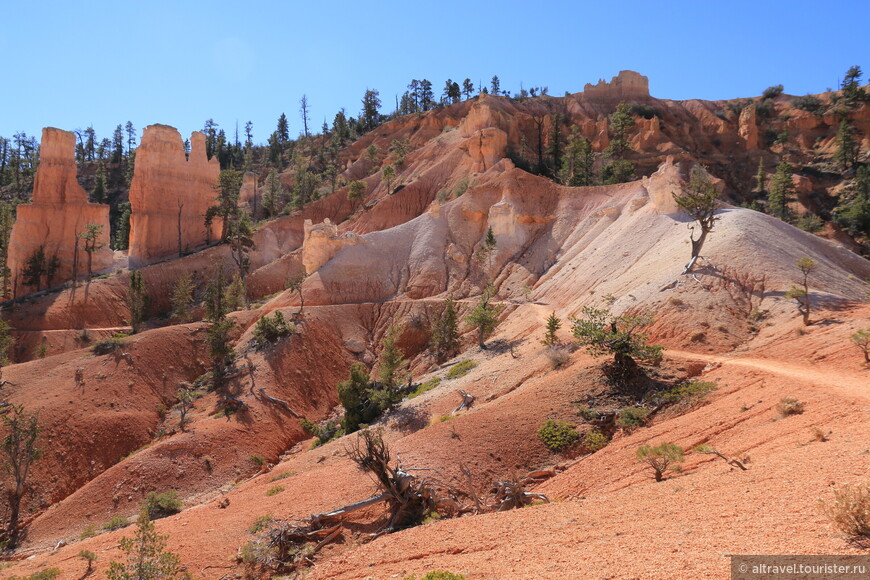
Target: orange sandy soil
[608,518]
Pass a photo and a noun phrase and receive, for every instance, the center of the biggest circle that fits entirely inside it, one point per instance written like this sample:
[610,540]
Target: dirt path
[850,384]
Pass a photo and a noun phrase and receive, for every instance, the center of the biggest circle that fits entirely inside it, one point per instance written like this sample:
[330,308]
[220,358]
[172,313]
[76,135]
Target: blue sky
[71,64]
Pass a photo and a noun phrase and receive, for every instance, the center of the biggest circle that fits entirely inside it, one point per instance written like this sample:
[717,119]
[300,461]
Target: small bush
[558,435]
[437,575]
[261,523]
[107,346]
[849,510]
[116,523]
[47,574]
[160,505]
[594,440]
[270,329]
[772,92]
[460,188]
[558,356]
[693,391]
[257,460]
[323,432]
[461,369]
[588,413]
[89,532]
[661,457]
[810,223]
[427,386]
[281,476]
[274,490]
[632,417]
[789,406]
[807,103]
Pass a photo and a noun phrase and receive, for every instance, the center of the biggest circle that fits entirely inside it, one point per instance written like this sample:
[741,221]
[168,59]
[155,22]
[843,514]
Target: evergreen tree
[182,296]
[146,555]
[621,121]
[388,174]
[760,176]
[272,199]
[131,137]
[554,323]
[283,130]
[136,300]
[7,341]
[855,216]
[99,193]
[7,220]
[122,226]
[484,317]
[427,96]
[239,234]
[92,242]
[781,192]
[353,395]
[391,360]
[18,451]
[579,161]
[495,84]
[846,154]
[700,200]
[356,191]
[554,150]
[118,144]
[851,85]
[370,115]
[227,206]
[445,333]
[467,88]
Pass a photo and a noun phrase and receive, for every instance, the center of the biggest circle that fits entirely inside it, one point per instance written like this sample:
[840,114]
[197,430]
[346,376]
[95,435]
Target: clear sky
[179,62]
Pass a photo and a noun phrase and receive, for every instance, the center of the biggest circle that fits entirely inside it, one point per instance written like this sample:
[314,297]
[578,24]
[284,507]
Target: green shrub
[160,505]
[810,223]
[89,532]
[632,417]
[437,575]
[107,345]
[274,490]
[772,92]
[460,369]
[281,476]
[427,386]
[807,103]
[692,391]
[558,435]
[595,440]
[116,523]
[587,413]
[47,574]
[270,329]
[660,458]
[323,432]
[261,523]
[257,460]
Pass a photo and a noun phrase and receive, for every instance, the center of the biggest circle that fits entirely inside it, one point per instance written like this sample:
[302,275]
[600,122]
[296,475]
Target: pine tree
[182,296]
[388,174]
[760,177]
[99,193]
[445,333]
[272,199]
[781,192]
[146,555]
[18,451]
[554,323]
[846,154]
[136,300]
[370,115]
[391,360]
[621,121]
[496,85]
[484,317]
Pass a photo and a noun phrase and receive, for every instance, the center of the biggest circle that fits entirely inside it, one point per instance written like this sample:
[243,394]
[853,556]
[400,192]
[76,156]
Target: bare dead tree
[745,290]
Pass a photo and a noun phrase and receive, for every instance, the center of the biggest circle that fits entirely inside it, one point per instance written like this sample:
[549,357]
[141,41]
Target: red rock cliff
[58,213]
[169,196]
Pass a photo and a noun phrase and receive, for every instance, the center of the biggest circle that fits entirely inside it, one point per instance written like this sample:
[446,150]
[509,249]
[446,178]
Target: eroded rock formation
[322,242]
[58,214]
[169,196]
[627,85]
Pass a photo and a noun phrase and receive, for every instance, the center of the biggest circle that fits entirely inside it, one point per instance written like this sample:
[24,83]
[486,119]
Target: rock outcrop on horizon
[58,214]
[169,196]
[626,86]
